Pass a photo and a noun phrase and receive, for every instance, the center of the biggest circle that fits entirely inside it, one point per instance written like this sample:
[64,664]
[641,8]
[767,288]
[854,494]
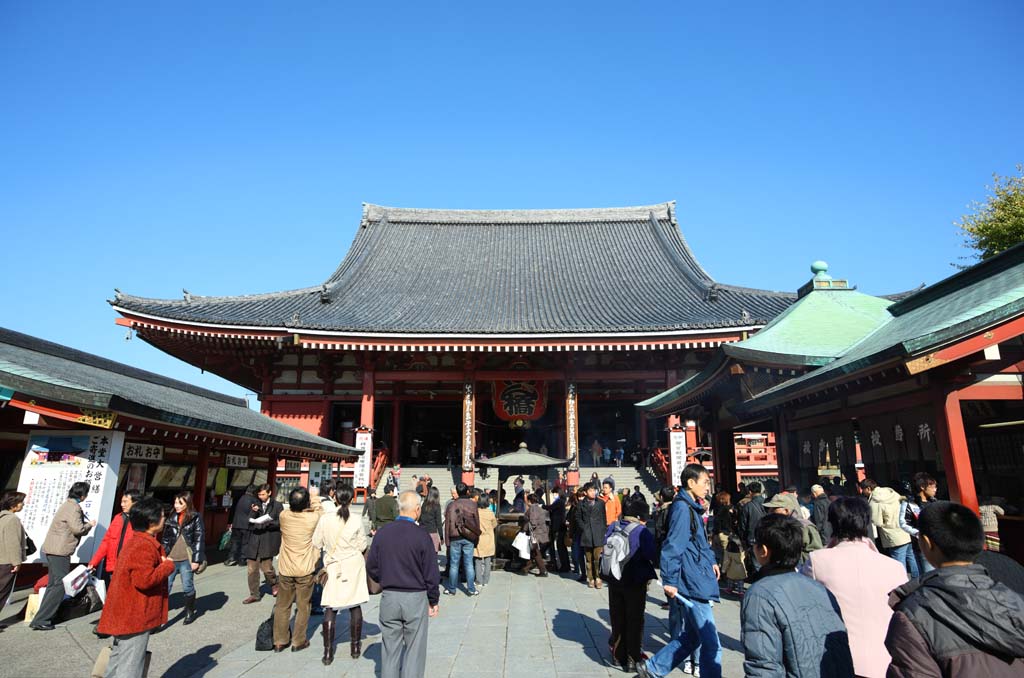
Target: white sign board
[236,461]
[54,461]
[361,472]
[142,452]
[319,471]
[677,452]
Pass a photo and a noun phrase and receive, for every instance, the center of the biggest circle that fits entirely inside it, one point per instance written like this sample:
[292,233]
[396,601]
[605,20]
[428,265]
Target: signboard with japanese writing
[319,471]
[143,452]
[54,461]
[677,454]
[361,471]
[525,400]
[468,424]
[572,424]
[236,461]
[292,465]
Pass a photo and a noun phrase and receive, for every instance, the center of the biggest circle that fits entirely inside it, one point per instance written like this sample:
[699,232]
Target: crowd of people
[884,581]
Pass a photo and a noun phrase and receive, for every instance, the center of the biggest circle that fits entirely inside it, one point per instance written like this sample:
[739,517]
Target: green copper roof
[675,395]
[982,296]
[824,323]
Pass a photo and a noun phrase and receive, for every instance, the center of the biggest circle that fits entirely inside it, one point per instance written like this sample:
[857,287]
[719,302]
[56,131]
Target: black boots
[190,608]
[327,629]
[355,631]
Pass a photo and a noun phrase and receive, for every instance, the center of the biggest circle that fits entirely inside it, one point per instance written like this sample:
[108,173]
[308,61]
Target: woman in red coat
[137,599]
[117,535]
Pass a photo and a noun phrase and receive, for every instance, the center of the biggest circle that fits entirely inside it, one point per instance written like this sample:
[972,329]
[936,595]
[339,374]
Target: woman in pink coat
[860,578]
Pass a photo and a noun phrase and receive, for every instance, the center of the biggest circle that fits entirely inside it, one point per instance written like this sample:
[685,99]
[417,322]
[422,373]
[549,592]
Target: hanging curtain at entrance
[514,400]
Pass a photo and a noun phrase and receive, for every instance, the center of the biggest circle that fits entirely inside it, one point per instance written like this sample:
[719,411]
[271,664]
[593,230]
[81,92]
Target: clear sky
[226,147]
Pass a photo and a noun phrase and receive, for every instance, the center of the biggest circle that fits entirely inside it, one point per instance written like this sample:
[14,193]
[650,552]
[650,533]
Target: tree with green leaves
[998,223]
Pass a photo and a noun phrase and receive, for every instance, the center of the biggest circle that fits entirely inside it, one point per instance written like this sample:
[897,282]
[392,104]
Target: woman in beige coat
[343,541]
[484,551]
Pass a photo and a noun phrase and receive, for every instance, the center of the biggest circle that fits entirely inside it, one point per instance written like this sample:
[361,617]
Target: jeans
[483,570]
[904,555]
[461,550]
[183,568]
[577,556]
[239,538]
[697,624]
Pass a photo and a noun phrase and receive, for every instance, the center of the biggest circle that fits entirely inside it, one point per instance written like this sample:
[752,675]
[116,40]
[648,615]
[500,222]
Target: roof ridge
[968,276]
[214,298]
[30,343]
[375,213]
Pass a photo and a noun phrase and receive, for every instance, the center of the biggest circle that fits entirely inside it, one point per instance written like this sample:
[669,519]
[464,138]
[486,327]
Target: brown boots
[355,631]
[327,629]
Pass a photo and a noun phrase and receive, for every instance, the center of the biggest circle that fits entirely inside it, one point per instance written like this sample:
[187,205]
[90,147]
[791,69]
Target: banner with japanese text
[361,471]
[54,461]
[677,454]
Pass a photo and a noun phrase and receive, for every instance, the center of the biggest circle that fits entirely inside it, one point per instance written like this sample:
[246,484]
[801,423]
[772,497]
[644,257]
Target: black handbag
[30,546]
[265,635]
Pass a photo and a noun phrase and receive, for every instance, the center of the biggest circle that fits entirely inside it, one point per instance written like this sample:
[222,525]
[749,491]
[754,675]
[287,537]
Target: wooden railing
[380,464]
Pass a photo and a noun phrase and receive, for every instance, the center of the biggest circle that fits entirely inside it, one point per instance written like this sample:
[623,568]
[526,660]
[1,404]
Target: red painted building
[450,333]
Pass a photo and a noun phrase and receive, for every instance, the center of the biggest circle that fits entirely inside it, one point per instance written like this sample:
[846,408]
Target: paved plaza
[518,626]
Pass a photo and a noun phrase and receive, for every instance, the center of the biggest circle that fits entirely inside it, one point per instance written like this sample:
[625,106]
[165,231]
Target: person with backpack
[689,576]
[540,535]
[626,564]
[750,512]
[461,534]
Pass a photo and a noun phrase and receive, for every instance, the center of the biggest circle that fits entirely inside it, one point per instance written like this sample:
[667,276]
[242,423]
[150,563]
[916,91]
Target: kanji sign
[361,471]
[525,400]
[236,461]
[142,452]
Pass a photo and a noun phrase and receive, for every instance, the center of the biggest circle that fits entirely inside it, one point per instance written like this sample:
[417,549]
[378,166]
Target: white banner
[677,452]
[54,461]
[361,472]
[236,461]
[319,471]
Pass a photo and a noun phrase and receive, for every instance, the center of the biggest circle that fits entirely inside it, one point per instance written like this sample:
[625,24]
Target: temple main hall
[447,334]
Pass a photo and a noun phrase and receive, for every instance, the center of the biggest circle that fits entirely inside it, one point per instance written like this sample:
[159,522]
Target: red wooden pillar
[955,457]
[272,472]
[366,404]
[199,490]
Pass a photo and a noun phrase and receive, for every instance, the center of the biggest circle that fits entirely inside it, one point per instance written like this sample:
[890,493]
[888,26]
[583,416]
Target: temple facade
[446,334]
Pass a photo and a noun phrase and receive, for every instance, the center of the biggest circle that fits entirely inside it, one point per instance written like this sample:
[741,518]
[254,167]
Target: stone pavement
[518,626]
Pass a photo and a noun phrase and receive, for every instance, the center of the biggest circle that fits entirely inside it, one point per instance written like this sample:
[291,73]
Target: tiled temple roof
[458,272]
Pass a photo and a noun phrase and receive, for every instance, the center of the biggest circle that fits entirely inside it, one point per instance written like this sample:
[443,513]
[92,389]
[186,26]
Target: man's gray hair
[408,501]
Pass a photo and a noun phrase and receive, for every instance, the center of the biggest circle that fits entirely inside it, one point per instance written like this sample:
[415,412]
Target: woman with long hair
[343,541]
[430,516]
[184,542]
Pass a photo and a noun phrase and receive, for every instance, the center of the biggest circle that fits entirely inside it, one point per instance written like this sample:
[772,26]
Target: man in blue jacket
[689,575]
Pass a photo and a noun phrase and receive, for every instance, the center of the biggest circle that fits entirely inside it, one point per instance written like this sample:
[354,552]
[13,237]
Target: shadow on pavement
[196,664]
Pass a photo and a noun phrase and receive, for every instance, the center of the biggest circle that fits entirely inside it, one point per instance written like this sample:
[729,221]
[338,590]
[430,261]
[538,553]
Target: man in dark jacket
[559,553]
[689,575]
[385,509]
[819,516]
[240,526]
[790,624]
[461,533]
[591,526]
[264,542]
[954,620]
[751,510]
[627,595]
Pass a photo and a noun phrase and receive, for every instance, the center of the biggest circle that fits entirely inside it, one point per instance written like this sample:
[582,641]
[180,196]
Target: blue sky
[226,147]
